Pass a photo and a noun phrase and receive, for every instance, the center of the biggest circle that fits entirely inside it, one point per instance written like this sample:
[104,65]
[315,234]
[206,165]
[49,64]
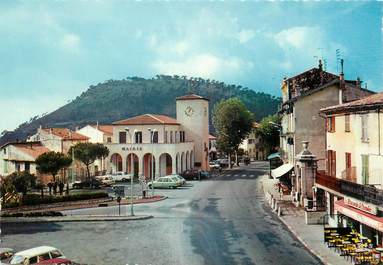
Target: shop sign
[138,148]
[363,206]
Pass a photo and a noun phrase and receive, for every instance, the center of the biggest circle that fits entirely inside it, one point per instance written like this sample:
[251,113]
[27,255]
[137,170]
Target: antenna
[338,54]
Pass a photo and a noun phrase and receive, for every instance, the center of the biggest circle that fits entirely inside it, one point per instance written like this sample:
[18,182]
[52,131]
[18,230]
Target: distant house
[212,147]
[58,139]
[252,145]
[20,156]
[98,134]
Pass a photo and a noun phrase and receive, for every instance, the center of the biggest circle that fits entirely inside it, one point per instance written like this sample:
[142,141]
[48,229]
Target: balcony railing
[361,192]
[328,181]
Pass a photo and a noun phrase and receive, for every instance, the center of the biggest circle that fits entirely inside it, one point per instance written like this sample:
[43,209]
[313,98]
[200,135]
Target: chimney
[97,125]
[320,66]
[358,83]
[341,76]
[342,83]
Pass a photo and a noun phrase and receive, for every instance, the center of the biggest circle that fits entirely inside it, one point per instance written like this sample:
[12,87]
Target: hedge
[35,199]
[32,214]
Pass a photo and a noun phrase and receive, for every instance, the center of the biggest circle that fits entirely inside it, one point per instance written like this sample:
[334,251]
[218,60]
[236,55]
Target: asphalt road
[219,221]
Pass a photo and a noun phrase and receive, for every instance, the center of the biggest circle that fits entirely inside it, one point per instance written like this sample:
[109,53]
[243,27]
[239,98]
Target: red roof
[191,96]
[148,119]
[368,102]
[32,149]
[66,134]
[107,129]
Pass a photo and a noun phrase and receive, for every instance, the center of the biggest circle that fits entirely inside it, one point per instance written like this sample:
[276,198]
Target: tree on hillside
[52,162]
[268,130]
[87,153]
[232,122]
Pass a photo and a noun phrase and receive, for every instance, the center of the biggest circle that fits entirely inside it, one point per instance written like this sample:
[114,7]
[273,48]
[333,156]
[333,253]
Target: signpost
[119,205]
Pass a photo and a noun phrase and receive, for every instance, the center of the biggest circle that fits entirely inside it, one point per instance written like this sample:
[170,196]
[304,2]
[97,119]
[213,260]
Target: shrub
[32,214]
[34,199]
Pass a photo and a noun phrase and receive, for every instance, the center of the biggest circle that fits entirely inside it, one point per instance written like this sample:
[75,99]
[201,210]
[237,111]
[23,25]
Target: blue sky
[51,51]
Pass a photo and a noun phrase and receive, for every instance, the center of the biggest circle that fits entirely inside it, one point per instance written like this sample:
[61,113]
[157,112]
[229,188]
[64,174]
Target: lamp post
[152,162]
[131,171]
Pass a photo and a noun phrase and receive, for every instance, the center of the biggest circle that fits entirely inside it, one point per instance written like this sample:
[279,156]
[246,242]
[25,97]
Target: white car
[35,255]
[106,180]
[120,176]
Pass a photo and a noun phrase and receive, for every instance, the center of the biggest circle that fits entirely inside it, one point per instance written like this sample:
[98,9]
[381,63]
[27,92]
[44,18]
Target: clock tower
[193,115]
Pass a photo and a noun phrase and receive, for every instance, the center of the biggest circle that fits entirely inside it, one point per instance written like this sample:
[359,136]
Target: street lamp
[152,160]
[131,171]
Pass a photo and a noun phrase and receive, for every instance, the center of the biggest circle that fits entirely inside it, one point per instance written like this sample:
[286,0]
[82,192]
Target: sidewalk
[311,236]
[63,206]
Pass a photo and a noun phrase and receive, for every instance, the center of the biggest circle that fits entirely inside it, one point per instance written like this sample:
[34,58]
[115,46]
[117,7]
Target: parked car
[204,174]
[6,255]
[56,261]
[168,182]
[181,180]
[225,162]
[87,184]
[120,176]
[35,255]
[190,174]
[214,165]
[106,180]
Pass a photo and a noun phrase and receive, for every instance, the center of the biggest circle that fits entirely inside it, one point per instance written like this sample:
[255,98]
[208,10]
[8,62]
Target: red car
[56,261]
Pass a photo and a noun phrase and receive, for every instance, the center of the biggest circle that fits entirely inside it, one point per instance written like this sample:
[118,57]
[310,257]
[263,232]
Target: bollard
[272,203]
[275,206]
[279,211]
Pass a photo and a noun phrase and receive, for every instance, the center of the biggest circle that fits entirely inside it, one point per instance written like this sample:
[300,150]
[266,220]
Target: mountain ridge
[114,100]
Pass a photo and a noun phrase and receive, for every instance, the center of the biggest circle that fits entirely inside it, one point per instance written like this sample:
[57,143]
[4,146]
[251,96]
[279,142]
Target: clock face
[189,111]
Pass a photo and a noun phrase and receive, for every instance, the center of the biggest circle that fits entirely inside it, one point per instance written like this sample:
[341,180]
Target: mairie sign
[363,206]
[134,148]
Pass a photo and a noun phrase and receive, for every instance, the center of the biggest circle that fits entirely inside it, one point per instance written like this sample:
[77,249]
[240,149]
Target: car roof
[35,251]
[4,250]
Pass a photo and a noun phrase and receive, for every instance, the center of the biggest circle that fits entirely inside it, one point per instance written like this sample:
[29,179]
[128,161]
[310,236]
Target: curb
[87,218]
[303,242]
[291,230]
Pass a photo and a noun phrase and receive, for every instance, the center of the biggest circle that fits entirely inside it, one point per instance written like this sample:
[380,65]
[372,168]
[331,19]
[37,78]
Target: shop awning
[274,155]
[280,171]
[370,220]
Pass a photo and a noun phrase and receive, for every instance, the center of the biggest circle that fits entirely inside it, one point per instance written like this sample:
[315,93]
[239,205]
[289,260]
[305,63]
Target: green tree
[18,182]
[233,122]
[87,153]
[52,162]
[268,130]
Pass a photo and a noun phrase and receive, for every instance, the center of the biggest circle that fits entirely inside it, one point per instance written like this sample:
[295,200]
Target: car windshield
[17,259]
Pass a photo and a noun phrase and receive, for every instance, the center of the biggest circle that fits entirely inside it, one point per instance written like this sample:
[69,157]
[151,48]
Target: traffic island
[75,218]
[65,206]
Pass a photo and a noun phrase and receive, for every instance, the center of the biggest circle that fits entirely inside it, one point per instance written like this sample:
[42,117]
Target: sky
[52,51]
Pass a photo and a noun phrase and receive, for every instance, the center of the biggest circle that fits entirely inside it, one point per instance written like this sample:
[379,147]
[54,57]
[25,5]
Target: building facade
[353,179]
[158,145]
[302,98]
[20,156]
[253,146]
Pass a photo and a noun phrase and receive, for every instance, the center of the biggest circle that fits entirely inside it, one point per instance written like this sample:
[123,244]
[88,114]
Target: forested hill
[119,99]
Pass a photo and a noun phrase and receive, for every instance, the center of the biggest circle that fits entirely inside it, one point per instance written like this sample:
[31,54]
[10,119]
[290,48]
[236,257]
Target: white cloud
[245,35]
[70,42]
[203,65]
[295,37]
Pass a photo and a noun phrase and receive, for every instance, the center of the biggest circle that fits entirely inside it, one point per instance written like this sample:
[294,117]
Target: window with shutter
[347,123]
[365,170]
[364,128]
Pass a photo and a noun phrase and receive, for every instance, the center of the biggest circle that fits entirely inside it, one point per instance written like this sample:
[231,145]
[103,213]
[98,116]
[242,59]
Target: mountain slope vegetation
[119,99]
